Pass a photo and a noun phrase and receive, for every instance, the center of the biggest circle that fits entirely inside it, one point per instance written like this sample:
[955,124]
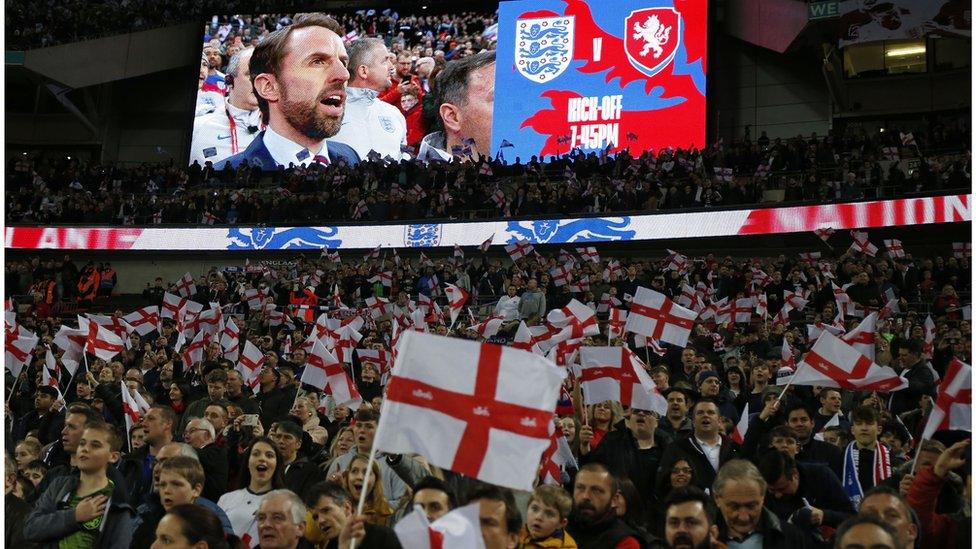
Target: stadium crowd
[841,168]
[283,465]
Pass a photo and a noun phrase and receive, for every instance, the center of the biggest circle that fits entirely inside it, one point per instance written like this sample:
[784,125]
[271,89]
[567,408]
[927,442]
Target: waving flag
[144,320]
[519,249]
[250,364]
[324,371]
[863,338]
[456,298]
[486,244]
[557,457]
[18,349]
[185,286]
[491,407]
[833,363]
[653,315]
[459,528]
[589,253]
[954,405]
[742,427]
[99,341]
[615,373]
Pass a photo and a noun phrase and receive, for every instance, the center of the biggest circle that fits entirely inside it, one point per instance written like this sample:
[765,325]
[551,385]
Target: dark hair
[453,81]
[513,518]
[635,504]
[827,390]
[805,407]
[216,376]
[197,523]
[81,409]
[913,346]
[857,520]
[686,494]
[269,53]
[884,489]
[774,465]
[167,413]
[277,478]
[367,414]
[600,467]
[782,431]
[433,483]
[326,489]
[37,464]
[705,400]
[289,427]
[865,414]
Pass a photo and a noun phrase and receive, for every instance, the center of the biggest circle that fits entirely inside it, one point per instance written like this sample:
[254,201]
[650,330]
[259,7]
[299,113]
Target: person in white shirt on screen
[299,77]
[209,99]
[369,124]
[230,130]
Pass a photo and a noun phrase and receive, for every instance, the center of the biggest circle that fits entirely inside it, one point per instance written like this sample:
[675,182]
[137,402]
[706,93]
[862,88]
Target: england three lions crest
[651,38]
[543,47]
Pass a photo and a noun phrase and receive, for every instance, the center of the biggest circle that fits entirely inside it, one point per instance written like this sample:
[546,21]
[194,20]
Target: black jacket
[215,467]
[275,405]
[687,449]
[48,426]
[920,382]
[131,468]
[378,537]
[619,452]
[606,533]
[776,533]
[13,523]
[814,451]
[301,474]
[820,487]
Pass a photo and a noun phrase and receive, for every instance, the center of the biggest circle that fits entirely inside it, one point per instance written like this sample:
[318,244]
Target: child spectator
[547,515]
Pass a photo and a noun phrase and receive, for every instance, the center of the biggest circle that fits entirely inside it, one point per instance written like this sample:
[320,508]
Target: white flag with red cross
[589,253]
[486,244]
[18,344]
[255,298]
[481,410]
[824,234]
[130,408]
[962,249]
[488,327]
[894,247]
[833,363]
[185,286]
[615,323]
[459,528]
[172,304]
[230,340]
[378,307]
[742,427]
[742,310]
[558,456]
[99,341]
[862,244]
[524,339]
[456,298]
[381,358]
[250,364]
[654,315]
[519,249]
[864,337]
[928,347]
[193,352]
[616,374]
[575,320]
[144,320]
[953,407]
[324,371]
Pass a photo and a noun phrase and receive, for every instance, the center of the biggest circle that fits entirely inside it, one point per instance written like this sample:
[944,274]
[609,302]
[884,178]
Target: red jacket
[937,530]
[416,129]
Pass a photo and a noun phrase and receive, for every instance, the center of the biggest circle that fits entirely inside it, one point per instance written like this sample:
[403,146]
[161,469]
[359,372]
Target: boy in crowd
[867,461]
[72,510]
[547,516]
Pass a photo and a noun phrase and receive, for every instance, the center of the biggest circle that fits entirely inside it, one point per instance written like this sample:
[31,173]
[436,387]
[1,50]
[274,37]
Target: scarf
[882,470]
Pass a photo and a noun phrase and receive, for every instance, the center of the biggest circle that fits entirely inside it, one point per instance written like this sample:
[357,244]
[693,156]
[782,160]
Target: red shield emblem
[652,37]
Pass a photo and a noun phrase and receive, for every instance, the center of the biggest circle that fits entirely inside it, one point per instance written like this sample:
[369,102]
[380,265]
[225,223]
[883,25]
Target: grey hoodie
[52,519]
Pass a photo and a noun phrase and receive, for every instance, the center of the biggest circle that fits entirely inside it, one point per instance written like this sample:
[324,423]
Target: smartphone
[250,420]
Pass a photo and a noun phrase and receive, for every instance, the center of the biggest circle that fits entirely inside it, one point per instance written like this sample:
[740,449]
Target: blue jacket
[257,153]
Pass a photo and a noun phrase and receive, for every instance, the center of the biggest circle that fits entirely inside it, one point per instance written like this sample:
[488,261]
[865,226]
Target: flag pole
[917,452]
[783,392]
[13,388]
[369,471]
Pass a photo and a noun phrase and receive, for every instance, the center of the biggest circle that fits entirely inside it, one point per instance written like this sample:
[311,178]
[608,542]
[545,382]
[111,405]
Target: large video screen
[534,78]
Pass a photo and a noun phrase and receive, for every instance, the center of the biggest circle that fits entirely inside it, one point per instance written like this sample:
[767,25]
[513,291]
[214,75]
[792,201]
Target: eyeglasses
[681,470]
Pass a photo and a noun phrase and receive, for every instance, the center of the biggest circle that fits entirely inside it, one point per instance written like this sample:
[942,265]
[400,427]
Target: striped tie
[324,160]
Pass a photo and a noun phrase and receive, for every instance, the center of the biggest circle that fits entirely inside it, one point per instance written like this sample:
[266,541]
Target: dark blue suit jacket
[257,153]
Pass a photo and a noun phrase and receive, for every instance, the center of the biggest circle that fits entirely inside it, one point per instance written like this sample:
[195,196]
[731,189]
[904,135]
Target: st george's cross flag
[654,315]
[953,407]
[459,528]
[615,373]
[324,371]
[478,409]
[833,363]
[144,320]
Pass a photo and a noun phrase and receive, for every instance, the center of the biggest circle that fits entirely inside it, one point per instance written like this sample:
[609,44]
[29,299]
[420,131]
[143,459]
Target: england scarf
[882,470]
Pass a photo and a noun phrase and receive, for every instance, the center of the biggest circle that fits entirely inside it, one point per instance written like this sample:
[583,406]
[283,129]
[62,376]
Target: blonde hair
[378,510]
[186,467]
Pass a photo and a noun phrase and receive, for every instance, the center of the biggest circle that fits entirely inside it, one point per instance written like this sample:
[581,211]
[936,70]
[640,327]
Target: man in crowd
[689,520]
[500,518]
[706,449]
[281,521]
[46,416]
[885,504]
[466,96]
[740,491]
[594,523]
[200,434]
[332,509]
[299,472]
[136,466]
[226,132]
[299,77]
[434,496]
[373,128]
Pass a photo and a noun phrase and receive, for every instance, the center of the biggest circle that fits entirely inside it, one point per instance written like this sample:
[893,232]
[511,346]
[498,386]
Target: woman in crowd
[259,476]
[377,510]
[192,526]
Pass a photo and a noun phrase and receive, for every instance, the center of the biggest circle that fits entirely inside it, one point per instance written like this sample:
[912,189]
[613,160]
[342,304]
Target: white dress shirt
[285,151]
